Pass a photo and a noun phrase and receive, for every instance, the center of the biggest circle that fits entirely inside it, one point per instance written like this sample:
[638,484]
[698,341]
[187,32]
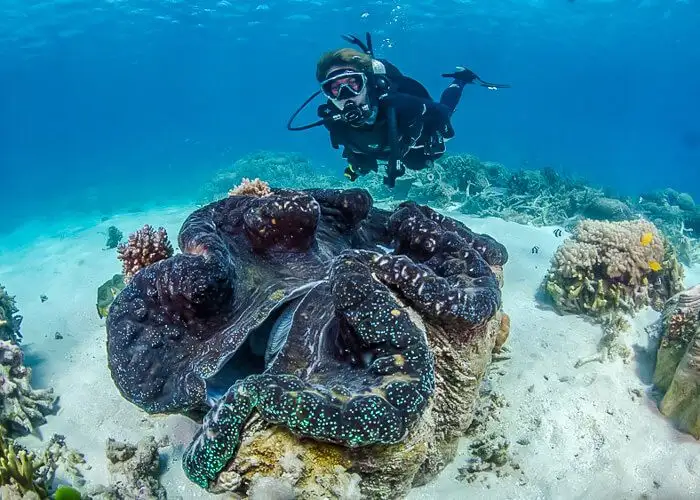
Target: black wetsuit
[422,124]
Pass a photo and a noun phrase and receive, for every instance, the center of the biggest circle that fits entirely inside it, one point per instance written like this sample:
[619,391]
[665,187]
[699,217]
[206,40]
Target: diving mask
[345,85]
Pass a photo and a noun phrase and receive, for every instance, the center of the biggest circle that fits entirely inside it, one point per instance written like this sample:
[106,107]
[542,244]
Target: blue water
[111,105]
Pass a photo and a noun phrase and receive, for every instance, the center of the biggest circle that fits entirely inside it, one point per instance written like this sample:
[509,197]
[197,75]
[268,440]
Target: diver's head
[343,76]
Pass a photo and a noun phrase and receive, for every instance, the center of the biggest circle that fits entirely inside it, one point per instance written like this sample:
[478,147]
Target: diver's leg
[416,159]
[451,95]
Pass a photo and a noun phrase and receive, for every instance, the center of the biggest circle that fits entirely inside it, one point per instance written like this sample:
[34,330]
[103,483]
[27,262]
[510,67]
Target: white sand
[587,437]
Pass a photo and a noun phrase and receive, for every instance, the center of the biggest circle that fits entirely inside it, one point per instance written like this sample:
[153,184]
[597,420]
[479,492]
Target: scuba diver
[378,114]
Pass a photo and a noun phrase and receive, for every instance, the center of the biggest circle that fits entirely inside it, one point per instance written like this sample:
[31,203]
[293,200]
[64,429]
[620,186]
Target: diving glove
[350,173]
[465,75]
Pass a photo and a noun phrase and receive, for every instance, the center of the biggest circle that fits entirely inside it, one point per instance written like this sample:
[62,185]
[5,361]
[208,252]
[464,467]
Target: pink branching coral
[256,187]
[21,406]
[145,247]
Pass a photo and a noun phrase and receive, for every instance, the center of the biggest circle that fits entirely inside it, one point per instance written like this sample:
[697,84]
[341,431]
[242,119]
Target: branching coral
[611,345]
[605,266]
[256,188]
[10,321]
[145,247]
[21,406]
[27,475]
[18,470]
[677,372]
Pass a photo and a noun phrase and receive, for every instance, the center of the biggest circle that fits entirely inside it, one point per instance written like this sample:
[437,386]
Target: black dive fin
[493,85]
[365,46]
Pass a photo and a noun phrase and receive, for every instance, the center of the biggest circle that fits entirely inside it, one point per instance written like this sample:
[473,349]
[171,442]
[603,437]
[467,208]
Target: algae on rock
[677,372]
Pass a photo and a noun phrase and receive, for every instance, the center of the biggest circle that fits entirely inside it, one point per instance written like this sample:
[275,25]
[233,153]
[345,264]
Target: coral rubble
[605,266]
[21,407]
[144,247]
[134,472]
[677,372]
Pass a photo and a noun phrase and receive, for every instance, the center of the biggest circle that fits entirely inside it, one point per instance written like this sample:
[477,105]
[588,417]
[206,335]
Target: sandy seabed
[576,433]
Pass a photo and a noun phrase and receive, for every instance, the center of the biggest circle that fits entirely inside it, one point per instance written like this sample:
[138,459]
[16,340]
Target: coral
[431,186]
[685,202]
[27,475]
[282,305]
[464,171]
[677,372]
[612,344]
[145,247]
[289,170]
[256,187]
[10,321]
[605,267]
[18,470]
[607,209]
[21,407]
[134,472]
[114,236]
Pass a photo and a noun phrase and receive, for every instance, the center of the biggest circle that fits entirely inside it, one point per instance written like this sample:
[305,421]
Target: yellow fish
[646,238]
[654,265]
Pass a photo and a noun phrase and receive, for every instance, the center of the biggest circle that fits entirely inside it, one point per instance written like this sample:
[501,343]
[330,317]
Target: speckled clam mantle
[308,308]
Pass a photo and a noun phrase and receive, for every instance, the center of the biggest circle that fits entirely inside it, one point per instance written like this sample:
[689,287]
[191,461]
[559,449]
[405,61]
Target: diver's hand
[463,75]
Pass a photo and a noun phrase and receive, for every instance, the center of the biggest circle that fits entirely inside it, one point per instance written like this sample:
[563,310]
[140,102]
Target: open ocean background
[107,106]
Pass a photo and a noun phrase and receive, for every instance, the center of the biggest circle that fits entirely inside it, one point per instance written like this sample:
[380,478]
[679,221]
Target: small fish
[646,239]
[654,265]
[535,249]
